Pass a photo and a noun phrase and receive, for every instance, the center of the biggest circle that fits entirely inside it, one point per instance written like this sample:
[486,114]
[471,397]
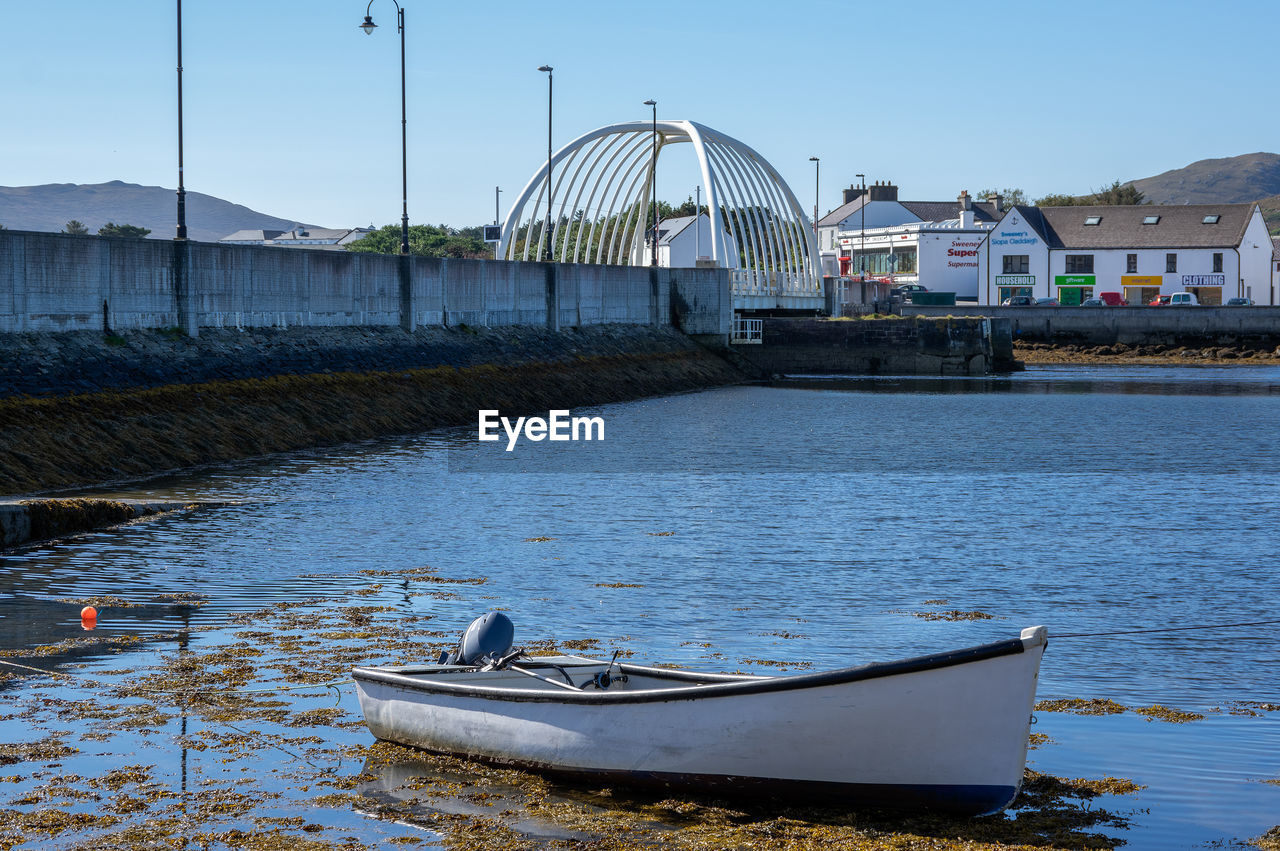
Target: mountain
[51,206]
[1271,213]
[1230,180]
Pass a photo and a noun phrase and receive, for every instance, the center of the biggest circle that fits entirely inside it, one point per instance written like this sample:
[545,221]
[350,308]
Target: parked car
[1183,299]
[1046,302]
[1018,301]
[1159,301]
[1239,301]
[1113,299]
[906,291]
[1093,302]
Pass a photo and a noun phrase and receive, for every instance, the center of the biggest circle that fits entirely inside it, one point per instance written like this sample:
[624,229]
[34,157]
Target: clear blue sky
[293,111]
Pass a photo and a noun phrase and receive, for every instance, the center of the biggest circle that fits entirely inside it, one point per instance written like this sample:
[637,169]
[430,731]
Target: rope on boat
[1197,627]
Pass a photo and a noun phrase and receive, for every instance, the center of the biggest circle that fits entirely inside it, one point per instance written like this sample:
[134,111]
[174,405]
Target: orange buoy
[88,613]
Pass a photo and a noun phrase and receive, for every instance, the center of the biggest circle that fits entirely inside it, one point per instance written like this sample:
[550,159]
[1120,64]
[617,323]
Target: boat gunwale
[763,685]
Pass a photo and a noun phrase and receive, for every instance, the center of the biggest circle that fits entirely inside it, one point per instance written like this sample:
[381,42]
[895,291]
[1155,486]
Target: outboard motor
[486,639]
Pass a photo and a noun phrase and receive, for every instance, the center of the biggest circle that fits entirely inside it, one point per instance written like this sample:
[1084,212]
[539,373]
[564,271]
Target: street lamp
[653,174]
[862,251]
[550,233]
[368,26]
[182,192]
[497,191]
[816,165]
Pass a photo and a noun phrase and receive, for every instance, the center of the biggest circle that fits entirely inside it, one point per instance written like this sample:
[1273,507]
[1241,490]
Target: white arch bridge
[602,182]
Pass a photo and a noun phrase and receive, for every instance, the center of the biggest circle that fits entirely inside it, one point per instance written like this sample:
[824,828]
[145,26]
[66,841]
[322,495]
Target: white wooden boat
[945,732]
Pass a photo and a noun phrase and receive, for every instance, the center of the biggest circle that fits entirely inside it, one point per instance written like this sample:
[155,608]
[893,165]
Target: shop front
[1008,286]
[1141,289]
[1207,288]
[1074,289]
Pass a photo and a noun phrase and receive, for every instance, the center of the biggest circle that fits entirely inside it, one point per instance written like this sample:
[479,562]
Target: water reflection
[759,527]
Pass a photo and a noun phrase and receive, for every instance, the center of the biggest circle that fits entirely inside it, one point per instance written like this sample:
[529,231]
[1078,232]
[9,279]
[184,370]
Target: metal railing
[747,332]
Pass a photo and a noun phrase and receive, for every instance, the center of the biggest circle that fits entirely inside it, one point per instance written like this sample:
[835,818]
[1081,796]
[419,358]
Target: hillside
[1229,180]
[50,206]
[1271,212]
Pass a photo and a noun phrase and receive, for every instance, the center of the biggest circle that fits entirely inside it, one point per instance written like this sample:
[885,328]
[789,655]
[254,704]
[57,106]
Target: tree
[424,241]
[1117,194]
[1059,201]
[75,227]
[112,229]
[1009,197]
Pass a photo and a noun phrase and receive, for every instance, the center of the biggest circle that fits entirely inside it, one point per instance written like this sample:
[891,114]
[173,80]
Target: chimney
[885,191]
[967,214]
[998,200]
[852,193]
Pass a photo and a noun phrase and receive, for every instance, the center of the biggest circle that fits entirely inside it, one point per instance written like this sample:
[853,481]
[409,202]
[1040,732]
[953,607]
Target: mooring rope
[1196,627]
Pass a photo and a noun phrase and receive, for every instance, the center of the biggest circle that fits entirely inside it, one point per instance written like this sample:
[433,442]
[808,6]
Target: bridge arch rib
[601,185]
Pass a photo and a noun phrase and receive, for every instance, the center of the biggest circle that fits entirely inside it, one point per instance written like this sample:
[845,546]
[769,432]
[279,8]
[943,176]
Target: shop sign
[1013,237]
[1074,280]
[1204,281]
[1141,281]
[1015,280]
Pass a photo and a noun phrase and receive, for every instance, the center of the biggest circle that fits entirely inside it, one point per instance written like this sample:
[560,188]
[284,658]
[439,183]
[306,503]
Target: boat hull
[945,733]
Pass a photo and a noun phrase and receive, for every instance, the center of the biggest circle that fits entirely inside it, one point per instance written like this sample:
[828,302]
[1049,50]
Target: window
[1171,263]
[1017,264]
[1217,261]
[1079,264]
[1151,220]
[1210,220]
[1089,221]
[1131,264]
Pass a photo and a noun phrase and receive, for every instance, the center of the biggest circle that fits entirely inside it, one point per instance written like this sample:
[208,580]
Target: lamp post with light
[369,26]
[653,169]
[182,192]
[816,165]
[862,251]
[550,233]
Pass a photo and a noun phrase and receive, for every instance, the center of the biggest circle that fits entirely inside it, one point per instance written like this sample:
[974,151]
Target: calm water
[1087,499]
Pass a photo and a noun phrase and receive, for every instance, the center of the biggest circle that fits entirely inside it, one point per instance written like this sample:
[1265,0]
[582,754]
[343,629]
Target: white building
[941,256]
[681,243]
[878,209]
[1275,275]
[301,236]
[1216,251]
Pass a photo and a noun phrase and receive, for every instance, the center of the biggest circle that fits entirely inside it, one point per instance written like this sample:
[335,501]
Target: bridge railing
[747,332]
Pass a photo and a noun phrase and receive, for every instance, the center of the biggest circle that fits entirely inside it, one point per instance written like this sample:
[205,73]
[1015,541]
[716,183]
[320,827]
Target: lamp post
[862,251]
[368,26]
[182,192]
[550,233]
[496,192]
[653,174]
[816,166]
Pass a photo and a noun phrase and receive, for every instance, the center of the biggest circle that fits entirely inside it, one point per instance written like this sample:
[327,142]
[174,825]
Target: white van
[1183,299]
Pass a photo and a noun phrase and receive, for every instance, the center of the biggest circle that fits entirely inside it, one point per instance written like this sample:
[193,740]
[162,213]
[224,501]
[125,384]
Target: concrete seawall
[43,519]
[163,402]
[57,282]
[1100,326]
[947,346]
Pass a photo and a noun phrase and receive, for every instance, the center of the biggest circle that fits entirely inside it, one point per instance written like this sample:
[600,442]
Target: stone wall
[915,346]
[1100,326]
[83,408]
